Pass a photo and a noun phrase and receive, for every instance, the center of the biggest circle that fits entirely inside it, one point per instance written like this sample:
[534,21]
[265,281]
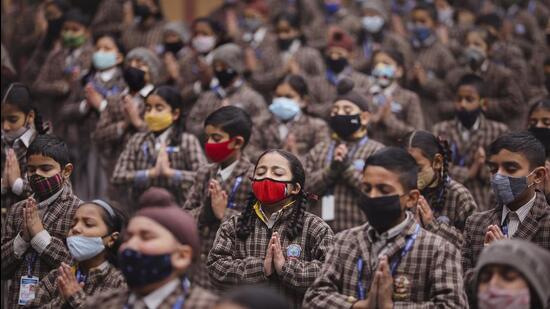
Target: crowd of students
[276,154]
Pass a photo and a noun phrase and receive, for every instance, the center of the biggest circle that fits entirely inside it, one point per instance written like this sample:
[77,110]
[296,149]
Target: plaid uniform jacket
[97,281]
[345,185]
[9,198]
[534,228]
[196,298]
[108,17]
[140,155]
[406,116]
[233,261]
[57,221]
[135,36]
[449,220]
[464,152]
[429,276]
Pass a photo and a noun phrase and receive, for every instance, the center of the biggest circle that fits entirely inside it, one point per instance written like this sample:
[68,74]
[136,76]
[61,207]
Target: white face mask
[83,248]
[204,44]
[372,24]
[13,135]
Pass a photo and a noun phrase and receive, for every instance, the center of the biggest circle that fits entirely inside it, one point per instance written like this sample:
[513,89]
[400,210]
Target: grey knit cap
[152,61]
[230,54]
[377,6]
[179,28]
[346,92]
[530,260]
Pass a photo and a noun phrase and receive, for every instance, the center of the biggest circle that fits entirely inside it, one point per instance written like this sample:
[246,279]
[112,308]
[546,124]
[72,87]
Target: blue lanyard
[80,277]
[180,302]
[330,153]
[231,200]
[30,261]
[393,266]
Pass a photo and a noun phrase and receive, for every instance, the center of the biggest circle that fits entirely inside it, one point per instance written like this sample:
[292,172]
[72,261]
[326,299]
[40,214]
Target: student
[142,24]
[274,240]
[396,111]
[93,242]
[444,204]
[539,126]
[164,156]
[335,165]
[468,134]
[516,162]
[253,297]
[161,244]
[21,123]
[33,237]
[221,188]
[512,273]
[292,129]
[390,261]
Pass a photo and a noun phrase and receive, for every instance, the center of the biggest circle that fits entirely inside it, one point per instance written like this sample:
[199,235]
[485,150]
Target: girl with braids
[445,204]
[93,241]
[164,156]
[21,123]
[274,240]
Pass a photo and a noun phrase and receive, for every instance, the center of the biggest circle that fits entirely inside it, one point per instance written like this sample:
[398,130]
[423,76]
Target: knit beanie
[530,260]
[178,28]
[339,38]
[230,54]
[152,61]
[158,205]
[346,92]
[378,6]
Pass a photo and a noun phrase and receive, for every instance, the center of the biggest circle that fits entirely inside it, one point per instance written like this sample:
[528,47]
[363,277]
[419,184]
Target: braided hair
[19,95]
[172,97]
[245,223]
[430,146]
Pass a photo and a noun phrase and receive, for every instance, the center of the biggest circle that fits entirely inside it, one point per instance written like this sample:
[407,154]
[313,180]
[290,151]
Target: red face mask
[218,152]
[269,191]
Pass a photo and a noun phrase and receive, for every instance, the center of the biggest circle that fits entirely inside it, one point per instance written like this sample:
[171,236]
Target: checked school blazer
[430,275]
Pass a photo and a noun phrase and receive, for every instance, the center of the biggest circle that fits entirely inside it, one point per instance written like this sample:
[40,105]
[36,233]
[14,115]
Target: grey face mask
[507,188]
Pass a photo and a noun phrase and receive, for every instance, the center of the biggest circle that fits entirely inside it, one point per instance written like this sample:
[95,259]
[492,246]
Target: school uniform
[233,261]
[406,113]
[323,90]
[100,279]
[46,250]
[137,36]
[189,74]
[507,103]
[449,220]
[530,222]
[344,19]
[368,45]
[427,275]
[464,144]
[108,17]
[140,155]
[342,213]
[171,295]
[20,189]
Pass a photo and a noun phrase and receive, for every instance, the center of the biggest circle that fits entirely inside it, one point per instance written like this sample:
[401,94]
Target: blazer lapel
[530,225]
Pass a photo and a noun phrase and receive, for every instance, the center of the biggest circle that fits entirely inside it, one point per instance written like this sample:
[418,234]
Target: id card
[327,208]
[27,289]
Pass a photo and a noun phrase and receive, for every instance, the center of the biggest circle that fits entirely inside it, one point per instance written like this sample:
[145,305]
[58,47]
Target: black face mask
[225,77]
[284,44]
[468,118]
[543,135]
[142,269]
[345,125]
[142,11]
[54,26]
[336,65]
[135,78]
[382,212]
[173,48]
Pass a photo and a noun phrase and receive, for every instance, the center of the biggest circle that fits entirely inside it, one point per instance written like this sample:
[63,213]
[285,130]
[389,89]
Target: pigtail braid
[245,223]
[296,224]
[446,152]
[39,125]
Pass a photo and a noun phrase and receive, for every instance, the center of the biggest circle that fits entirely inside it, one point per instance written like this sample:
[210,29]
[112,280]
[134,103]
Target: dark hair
[398,161]
[474,80]
[19,95]
[297,83]
[491,20]
[256,297]
[485,34]
[76,15]
[543,104]
[292,19]
[114,224]
[429,8]
[523,143]
[232,120]
[217,27]
[395,54]
[429,145]
[113,36]
[171,96]
[246,220]
[50,146]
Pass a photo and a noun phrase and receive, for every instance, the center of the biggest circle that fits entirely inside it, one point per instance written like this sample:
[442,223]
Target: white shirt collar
[26,137]
[226,172]
[256,38]
[162,138]
[154,299]
[108,74]
[522,212]
[391,233]
[145,90]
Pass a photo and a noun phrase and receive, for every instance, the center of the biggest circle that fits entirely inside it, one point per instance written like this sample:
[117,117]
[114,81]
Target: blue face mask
[83,248]
[507,189]
[284,108]
[104,60]
[421,33]
[332,8]
[141,269]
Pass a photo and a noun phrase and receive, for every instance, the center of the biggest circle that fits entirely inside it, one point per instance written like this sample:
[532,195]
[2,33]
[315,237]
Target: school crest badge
[401,288]
[293,251]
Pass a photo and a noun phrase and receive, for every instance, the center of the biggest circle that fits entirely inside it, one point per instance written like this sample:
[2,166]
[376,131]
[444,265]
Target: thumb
[81,284]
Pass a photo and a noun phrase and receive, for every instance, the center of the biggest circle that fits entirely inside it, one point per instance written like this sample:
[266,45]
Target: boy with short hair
[391,260]
[33,238]
[221,188]
[469,133]
[516,161]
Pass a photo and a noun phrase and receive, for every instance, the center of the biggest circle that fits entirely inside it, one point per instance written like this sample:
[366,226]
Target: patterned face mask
[142,269]
[45,187]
